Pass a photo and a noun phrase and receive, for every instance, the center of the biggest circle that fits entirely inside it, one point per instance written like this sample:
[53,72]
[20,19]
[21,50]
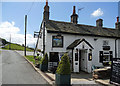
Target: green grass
[31,58]
[17,47]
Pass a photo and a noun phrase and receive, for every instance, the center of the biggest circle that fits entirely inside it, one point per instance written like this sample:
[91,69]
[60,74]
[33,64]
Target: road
[16,70]
[0,67]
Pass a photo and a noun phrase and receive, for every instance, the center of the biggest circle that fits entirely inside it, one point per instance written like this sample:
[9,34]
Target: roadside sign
[115,71]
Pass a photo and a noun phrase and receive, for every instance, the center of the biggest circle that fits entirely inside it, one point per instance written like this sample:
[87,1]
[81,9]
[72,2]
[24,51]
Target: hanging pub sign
[57,41]
[115,71]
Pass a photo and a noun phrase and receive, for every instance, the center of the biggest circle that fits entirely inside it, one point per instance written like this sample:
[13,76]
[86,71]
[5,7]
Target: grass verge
[17,47]
[30,58]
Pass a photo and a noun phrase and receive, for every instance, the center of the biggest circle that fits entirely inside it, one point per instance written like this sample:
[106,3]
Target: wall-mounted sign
[106,47]
[57,41]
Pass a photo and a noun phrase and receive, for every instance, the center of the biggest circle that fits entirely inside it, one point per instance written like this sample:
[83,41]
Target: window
[101,56]
[105,43]
[54,57]
[105,56]
[76,56]
[57,41]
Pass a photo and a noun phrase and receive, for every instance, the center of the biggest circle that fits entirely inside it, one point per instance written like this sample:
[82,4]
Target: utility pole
[25,32]
[10,43]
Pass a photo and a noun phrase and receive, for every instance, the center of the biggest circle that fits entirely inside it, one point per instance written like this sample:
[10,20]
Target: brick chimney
[74,16]
[46,11]
[117,24]
[99,23]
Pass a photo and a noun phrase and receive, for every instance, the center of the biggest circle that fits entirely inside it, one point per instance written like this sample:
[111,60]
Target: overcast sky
[13,14]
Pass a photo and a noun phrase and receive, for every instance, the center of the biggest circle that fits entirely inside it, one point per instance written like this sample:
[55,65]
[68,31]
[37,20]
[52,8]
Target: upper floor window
[57,41]
[105,43]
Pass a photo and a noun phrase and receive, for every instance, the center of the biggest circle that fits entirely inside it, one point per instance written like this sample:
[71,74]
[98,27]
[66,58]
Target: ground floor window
[105,56]
[54,57]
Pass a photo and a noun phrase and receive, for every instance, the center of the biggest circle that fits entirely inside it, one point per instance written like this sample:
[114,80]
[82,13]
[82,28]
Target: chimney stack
[117,24]
[74,16]
[99,23]
[46,11]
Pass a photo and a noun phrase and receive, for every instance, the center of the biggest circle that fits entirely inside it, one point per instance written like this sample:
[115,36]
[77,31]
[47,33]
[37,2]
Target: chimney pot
[117,24]
[74,10]
[118,19]
[46,2]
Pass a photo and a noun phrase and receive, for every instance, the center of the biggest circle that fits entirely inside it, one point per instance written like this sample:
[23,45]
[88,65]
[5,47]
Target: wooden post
[10,43]
[25,32]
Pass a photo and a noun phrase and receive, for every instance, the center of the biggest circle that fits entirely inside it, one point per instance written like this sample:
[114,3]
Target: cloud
[97,13]
[8,29]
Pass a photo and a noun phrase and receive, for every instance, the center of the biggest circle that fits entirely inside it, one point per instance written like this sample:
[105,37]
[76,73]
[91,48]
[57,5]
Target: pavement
[104,82]
[16,70]
[78,79]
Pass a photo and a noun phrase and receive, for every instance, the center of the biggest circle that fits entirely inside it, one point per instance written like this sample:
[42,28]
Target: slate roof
[80,29]
[77,42]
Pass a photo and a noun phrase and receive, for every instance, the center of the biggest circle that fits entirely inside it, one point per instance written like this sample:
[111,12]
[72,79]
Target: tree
[64,65]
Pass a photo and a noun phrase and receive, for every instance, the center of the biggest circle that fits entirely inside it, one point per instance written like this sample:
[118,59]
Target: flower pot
[63,79]
[43,67]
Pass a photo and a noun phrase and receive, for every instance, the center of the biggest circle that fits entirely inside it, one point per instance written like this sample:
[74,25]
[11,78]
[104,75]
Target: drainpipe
[115,48]
[43,38]
[72,60]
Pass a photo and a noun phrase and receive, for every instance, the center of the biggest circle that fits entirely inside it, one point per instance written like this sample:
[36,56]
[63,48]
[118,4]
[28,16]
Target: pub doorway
[53,61]
[80,62]
[54,57]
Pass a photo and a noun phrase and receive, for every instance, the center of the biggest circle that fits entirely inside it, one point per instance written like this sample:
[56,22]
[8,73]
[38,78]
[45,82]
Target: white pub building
[86,45]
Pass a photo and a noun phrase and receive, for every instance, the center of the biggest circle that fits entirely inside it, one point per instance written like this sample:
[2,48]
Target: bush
[38,50]
[44,60]
[64,65]
[39,58]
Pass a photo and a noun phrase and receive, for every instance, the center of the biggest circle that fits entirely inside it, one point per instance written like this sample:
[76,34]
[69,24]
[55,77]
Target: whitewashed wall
[68,39]
[118,50]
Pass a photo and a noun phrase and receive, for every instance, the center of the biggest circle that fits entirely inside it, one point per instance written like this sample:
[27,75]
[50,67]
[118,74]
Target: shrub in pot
[44,63]
[63,72]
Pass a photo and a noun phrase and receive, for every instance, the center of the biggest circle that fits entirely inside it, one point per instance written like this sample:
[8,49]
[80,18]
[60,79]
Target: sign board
[115,71]
[57,41]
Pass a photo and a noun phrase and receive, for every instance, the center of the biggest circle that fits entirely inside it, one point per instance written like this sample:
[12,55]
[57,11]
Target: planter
[63,79]
[43,67]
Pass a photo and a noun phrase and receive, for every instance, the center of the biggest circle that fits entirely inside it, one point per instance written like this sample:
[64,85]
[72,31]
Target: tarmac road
[16,70]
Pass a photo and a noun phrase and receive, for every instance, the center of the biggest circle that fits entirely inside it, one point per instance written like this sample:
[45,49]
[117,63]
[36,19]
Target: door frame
[77,68]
